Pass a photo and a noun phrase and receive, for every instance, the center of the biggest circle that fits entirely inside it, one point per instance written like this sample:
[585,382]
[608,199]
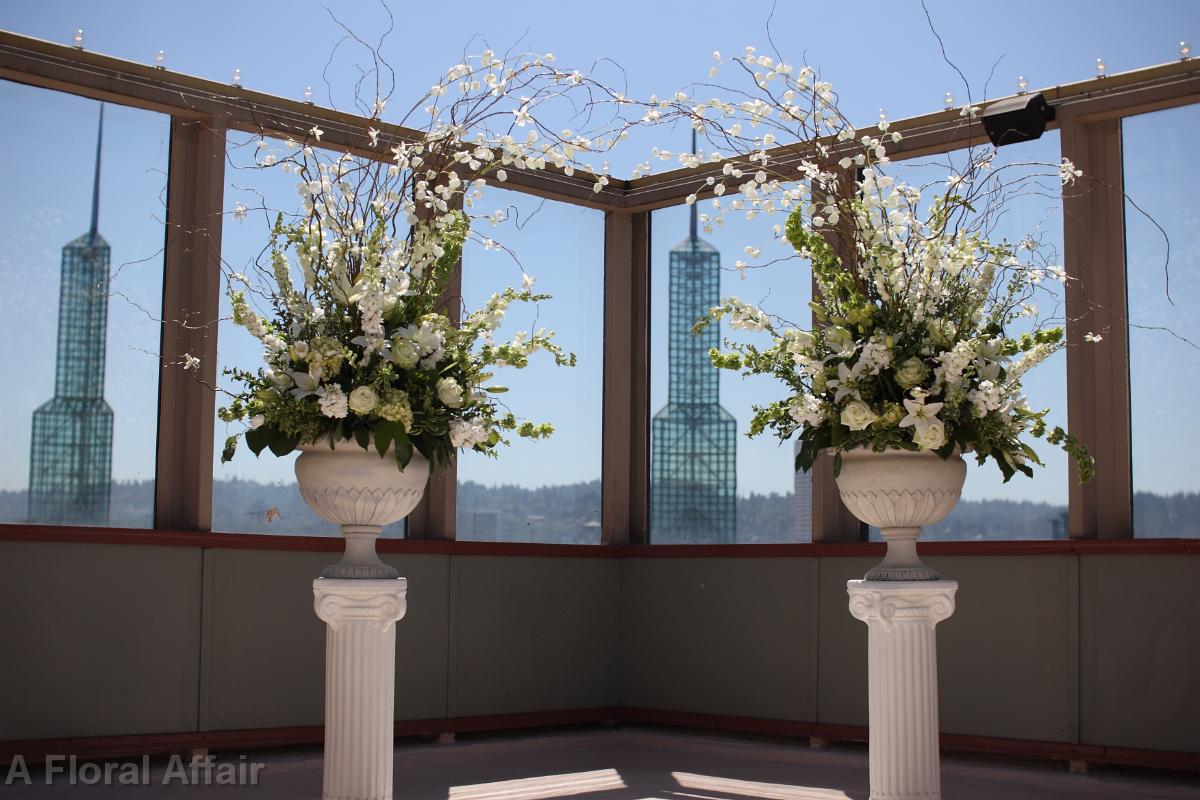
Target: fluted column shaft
[360,668]
[902,682]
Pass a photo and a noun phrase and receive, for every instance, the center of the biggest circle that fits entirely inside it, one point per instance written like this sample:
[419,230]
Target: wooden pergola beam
[56,66]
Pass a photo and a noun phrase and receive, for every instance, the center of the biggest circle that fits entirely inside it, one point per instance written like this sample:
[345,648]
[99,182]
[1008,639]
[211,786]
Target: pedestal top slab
[367,586]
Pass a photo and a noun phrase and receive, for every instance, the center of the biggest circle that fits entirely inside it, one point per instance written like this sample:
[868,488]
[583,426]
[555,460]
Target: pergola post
[1096,302]
[625,459]
[190,314]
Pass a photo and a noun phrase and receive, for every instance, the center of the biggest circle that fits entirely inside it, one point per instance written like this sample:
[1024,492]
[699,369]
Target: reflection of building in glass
[803,500]
[693,479]
[71,453]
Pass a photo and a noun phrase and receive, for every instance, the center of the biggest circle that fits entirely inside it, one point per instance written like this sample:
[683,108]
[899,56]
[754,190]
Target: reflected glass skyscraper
[693,459]
[70,461]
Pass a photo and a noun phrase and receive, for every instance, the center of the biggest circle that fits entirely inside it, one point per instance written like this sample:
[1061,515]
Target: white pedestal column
[902,678]
[360,683]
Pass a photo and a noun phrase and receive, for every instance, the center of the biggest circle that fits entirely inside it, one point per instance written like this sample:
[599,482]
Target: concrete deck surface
[630,764]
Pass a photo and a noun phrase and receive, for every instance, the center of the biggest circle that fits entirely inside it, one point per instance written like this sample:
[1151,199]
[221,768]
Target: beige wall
[719,635]
[98,639]
[113,639]
[1140,652]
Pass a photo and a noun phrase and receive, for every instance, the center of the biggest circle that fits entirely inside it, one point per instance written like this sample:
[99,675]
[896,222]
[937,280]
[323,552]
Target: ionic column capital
[896,602]
[337,601]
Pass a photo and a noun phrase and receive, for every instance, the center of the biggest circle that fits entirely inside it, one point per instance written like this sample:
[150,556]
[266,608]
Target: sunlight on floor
[766,791]
[546,786]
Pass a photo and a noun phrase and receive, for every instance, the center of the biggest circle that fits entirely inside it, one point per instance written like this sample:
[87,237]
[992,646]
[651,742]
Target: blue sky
[878,55]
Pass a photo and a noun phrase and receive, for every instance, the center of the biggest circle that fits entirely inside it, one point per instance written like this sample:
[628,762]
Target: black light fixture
[1017,119]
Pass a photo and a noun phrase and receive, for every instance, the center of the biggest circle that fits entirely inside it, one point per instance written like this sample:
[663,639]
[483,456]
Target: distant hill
[571,513]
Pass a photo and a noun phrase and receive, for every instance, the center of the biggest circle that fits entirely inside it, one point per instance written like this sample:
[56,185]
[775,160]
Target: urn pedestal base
[360,685]
[902,683]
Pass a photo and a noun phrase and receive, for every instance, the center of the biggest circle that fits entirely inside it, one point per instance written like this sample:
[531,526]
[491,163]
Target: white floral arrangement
[915,344]
[353,305]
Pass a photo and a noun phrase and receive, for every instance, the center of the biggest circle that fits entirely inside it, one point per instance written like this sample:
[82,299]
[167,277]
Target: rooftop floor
[631,764]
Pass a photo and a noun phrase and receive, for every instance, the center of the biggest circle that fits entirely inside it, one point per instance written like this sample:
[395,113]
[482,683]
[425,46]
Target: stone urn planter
[360,491]
[900,492]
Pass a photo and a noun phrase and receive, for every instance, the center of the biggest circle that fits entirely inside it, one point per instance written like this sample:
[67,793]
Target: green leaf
[496,389]
[404,450]
[382,439]
[257,439]
[230,449]
[385,434]
[282,445]
[362,435]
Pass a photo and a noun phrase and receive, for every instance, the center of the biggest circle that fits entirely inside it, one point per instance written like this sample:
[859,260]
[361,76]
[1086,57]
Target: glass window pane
[256,494]
[546,490]
[709,483]
[1161,175]
[81,263]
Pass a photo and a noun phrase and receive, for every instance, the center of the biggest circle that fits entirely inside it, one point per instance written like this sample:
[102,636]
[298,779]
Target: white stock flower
[857,415]
[333,402]
[987,398]
[807,410]
[467,433]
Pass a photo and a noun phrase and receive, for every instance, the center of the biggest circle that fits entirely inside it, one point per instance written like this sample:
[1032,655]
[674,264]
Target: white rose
[911,372]
[450,393]
[857,415]
[941,332]
[363,400]
[404,353]
[930,436]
